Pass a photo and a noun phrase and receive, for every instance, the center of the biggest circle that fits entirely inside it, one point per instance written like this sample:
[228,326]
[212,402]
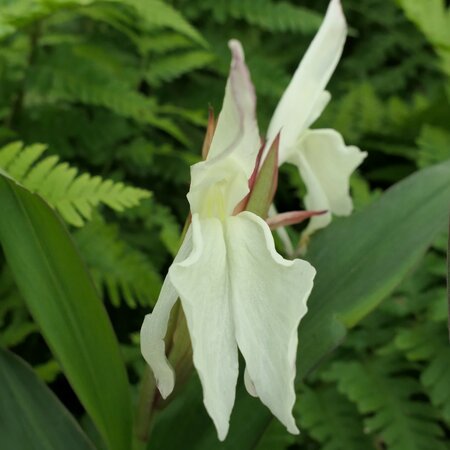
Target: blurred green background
[120,89]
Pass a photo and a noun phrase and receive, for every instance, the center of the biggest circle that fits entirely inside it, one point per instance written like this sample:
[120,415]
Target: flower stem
[145,409]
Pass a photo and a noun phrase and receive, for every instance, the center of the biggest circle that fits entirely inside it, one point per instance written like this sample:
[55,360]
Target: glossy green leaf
[31,416]
[359,261]
[63,301]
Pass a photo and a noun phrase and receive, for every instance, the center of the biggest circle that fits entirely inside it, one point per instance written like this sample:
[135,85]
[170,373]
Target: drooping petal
[325,165]
[248,383]
[305,98]
[154,328]
[269,296]
[202,281]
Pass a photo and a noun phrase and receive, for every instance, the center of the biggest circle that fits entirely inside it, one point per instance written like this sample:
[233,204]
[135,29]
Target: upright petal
[237,131]
[305,97]
[202,281]
[234,147]
[325,165]
[269,296]
[154,328]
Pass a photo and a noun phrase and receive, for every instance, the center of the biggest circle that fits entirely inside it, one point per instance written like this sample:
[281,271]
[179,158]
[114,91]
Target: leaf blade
[31,416]
[63,301]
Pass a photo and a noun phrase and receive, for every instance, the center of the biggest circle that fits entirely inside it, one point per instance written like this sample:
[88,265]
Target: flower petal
[305,98]
[325,165]
[154,328]
[237,131]
[269,296]
[202,281]
[235,145]
[248,383]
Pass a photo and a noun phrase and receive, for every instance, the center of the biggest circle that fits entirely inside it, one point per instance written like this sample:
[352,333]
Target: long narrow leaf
[31,417]
[64,303]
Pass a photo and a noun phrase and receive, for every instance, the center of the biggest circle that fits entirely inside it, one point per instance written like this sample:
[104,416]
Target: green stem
[145,409]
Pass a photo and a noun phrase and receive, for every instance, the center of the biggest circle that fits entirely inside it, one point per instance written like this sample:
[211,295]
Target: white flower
[236,291]
[324,161]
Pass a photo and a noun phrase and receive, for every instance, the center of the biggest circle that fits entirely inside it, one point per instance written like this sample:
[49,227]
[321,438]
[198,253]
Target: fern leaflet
[172,66]
[73,196]
[388,400]
[118,269]
[331,419]
[429,343]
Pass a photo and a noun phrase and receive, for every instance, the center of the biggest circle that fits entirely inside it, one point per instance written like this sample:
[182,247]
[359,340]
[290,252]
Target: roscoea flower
[236,291]
[324,161]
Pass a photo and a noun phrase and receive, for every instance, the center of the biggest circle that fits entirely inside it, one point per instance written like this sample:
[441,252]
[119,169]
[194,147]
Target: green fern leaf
[20,13]
[331,419]
[73,196]
[429,343]
[157,13]
[434,146]
[68,76]
[267,14]
[358,112]
[172,66]
[164,42]
[432,17]
[119,270]
[387,397]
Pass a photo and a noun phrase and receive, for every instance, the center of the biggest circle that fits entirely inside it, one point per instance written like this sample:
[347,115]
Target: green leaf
[31,416]
[174,65]
[394,410]
[331,419]
[268,14]
[64,303]
[429,342]
[74,196]
[120,269]
[434,146]
[161,14]
[432,17]
[359,261]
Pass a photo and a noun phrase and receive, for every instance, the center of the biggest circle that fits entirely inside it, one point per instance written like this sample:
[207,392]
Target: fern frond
[434,146]
[73,196]
[429,343]
[67,76]
[267,14]
[21,13]
[331,419]
[432,17]
[118,269]
[163,42]
[171,66]
[160,14]
[388,397]
[359,111]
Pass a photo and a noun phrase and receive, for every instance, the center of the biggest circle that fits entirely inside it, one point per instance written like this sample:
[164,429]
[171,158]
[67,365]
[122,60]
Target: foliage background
[109,100]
